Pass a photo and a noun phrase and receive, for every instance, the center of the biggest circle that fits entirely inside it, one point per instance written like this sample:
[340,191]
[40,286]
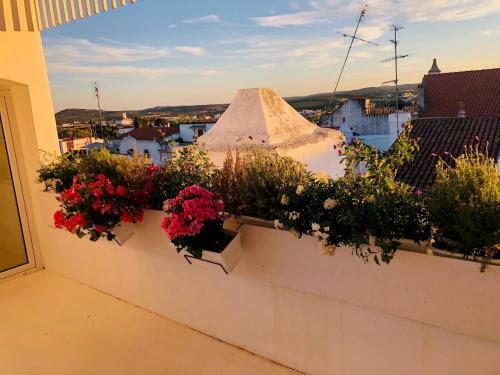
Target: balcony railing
[36,15]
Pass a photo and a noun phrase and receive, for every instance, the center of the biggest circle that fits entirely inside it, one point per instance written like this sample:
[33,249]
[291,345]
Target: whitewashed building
[189,132]
[378,127]
[153,143]
[261,118]
[75,144]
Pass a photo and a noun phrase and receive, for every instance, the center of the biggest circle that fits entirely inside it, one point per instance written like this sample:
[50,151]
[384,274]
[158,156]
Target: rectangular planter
[226,260]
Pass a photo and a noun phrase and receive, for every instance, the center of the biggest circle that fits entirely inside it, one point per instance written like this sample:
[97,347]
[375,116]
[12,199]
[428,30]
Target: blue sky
[161,52]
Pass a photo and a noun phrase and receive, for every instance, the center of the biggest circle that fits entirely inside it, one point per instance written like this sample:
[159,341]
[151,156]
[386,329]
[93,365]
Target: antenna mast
[97,95]
[353,38]
[396,59]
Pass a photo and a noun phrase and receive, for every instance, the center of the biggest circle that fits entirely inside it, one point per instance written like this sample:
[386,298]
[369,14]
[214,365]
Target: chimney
[434,69]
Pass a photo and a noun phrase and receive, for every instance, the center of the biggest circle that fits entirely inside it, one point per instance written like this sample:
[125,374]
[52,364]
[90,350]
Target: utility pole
[97,95]
[396,59]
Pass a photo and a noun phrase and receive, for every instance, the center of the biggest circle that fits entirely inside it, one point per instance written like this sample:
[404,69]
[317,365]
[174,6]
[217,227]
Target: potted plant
[97,208]
[195,225]
[465,207]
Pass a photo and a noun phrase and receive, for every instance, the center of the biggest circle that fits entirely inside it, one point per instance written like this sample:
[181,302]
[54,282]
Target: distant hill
[315,101]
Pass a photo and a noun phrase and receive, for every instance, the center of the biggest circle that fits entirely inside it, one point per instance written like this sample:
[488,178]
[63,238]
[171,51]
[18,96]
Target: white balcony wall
[285,301]
[25,86]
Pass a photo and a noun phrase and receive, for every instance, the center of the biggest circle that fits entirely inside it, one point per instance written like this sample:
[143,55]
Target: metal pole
[397,80]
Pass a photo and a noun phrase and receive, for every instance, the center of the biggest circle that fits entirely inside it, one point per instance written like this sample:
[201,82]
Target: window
[130,152]
[147,154]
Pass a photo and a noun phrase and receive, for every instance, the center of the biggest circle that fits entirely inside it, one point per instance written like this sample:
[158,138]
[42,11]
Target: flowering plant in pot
[194,223]
[97,208]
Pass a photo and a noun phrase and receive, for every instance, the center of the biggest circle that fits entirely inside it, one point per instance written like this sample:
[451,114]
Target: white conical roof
[260,117]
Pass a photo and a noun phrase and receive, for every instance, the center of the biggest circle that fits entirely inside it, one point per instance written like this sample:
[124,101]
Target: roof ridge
[462,71]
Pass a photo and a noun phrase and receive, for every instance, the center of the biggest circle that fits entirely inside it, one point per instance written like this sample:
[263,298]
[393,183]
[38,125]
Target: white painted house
[189,132]
[378,127]
[75,144]
[150,142]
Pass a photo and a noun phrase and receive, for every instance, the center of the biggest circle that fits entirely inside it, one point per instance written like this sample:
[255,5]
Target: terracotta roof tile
[477,92]
[150,134]
[442,135]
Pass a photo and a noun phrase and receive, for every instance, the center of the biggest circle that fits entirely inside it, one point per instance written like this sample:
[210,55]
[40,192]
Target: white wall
[130,143]
[421,315]
[187,134]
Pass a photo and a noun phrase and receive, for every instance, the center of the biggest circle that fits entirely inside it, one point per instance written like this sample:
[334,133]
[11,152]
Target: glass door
[14,252]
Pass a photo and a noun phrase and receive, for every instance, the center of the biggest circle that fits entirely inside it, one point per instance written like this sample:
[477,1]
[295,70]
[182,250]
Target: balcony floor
[52,325]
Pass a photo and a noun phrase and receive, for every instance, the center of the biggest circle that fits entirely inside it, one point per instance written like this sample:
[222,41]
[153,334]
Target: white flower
[284,200]
[278,225]
[329,203]
[321,177]
[327,249]
[294,215]
[300,190]
[326,229]
[315,227]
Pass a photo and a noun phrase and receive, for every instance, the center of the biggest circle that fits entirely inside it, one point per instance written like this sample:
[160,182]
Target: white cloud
[490,32]
[209,72]
[197,51]
[85,51]
[127,70]
[329,11]
[448,10]
[291,19]
[309,52]
[212,18]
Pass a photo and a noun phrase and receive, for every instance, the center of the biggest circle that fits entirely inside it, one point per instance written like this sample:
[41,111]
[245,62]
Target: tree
[140,122]
[159,122]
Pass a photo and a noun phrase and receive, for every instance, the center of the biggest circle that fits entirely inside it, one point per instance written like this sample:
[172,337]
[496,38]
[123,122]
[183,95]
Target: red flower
[126,217]
[121,191]
[59,219]
[100,229]
[110,189]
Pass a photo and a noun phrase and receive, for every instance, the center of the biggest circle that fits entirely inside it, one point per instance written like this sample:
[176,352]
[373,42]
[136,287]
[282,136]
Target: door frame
[20,188]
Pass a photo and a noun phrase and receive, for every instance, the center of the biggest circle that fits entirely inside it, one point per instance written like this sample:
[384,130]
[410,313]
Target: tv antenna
[396,58]
[353,37]
[95,87]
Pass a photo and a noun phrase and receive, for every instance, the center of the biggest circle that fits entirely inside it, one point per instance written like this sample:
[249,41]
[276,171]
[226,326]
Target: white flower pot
[226,260]
[123,232]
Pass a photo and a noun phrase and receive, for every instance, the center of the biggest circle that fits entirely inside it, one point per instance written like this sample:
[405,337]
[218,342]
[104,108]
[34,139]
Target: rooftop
[261,117]
[151,134]
[439,136]
[477,92]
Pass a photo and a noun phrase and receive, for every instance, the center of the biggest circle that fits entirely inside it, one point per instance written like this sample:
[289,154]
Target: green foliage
[227,182]
[140,122]
[56,172]
[368,210]
[265,177]
[188,166]
[465,205]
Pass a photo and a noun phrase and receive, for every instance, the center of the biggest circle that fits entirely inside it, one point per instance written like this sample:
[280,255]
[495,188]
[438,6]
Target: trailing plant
[367,209]
[465,205]
[95,207]
[194,221]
